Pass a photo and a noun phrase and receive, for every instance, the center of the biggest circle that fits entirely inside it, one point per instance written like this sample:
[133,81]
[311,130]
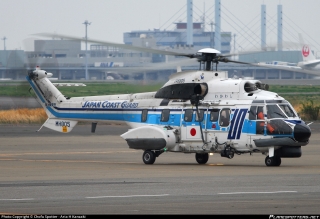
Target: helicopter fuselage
[194,112]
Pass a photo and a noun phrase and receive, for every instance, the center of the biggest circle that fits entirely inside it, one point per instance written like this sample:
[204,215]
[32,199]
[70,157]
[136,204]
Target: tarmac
[47,172]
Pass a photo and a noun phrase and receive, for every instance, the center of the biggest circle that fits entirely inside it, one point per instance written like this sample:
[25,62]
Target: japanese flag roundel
[193,132]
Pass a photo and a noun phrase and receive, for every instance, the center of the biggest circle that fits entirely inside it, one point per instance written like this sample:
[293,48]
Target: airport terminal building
[67,61]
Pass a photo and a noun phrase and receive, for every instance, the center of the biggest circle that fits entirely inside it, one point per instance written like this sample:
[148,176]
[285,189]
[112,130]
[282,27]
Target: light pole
[4,43]
[211,35]
[86,23]
[5,55]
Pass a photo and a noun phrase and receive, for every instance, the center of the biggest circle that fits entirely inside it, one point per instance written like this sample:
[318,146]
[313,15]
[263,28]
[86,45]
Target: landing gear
[278,161]
[228,152]
[273,161]
[202,158]
[149,157]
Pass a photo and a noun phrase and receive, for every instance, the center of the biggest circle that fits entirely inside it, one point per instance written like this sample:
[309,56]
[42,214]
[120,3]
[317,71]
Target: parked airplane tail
[306,52]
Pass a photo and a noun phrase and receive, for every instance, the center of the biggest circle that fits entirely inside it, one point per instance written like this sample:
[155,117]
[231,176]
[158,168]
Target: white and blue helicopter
[198,112]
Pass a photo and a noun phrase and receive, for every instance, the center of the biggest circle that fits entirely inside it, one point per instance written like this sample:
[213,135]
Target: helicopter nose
[302,132]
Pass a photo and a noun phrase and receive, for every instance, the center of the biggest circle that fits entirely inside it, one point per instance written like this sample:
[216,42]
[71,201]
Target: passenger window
[165,115]
[224,117]
[201,113]
[188,115]
[144,115]
[214,115]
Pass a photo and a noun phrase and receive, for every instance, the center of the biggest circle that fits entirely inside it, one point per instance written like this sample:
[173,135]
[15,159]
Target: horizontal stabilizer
[60,125]
[310,64]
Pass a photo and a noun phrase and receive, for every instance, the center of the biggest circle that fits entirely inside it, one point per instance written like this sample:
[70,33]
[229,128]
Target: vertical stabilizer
[47,93]
[306,52]
[50,98]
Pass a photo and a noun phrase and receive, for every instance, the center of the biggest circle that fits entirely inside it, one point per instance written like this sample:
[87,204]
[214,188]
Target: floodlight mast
[86,73]
[4,43]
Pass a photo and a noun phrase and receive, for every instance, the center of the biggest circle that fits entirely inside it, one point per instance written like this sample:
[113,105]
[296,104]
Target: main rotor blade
[119,45]
[164,65]
[279,67]
[246,63]
[243,53]
[286,68]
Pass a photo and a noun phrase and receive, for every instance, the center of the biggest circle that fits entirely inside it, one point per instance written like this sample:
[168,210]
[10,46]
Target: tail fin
[50,98]
[46,92]
[306,52]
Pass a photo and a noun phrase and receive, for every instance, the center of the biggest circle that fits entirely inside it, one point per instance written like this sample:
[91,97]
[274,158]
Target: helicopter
[200,112]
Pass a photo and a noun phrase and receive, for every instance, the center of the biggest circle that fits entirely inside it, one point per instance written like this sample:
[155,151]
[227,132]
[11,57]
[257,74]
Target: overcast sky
[111,18]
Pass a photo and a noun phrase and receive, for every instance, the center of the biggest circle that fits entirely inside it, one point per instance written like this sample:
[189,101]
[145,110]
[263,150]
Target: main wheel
[273,161]
[148,157]
[202,158]
[270,161]
[278,160]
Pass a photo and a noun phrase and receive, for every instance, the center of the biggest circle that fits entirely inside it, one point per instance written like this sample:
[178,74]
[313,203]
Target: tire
[148,157]
[202,158]
[270,161]
[278,161]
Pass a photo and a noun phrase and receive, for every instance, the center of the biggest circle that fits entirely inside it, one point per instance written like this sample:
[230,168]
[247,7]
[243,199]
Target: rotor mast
[208,57]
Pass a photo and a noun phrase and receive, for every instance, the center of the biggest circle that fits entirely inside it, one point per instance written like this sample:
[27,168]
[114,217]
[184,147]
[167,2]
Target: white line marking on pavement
[234,193]
[128,196]
[17,199]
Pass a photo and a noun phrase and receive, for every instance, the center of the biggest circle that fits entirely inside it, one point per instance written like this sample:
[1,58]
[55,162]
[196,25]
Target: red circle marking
[193,132]
[305,51]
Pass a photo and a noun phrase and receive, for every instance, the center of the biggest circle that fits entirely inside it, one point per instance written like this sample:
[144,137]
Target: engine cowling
[183,91]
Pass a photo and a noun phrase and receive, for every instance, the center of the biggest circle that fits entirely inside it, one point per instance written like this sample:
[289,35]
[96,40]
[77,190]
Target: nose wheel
[273,161]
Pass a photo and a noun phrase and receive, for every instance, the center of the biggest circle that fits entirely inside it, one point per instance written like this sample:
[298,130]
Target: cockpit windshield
[280,111]
[287,110]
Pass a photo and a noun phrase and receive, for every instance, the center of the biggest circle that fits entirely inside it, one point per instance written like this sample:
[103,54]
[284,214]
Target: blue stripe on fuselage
[35,89]
[237,123]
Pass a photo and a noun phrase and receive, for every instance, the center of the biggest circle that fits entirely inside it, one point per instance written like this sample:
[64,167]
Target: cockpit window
[273,111]
[252,112]
[287,110]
